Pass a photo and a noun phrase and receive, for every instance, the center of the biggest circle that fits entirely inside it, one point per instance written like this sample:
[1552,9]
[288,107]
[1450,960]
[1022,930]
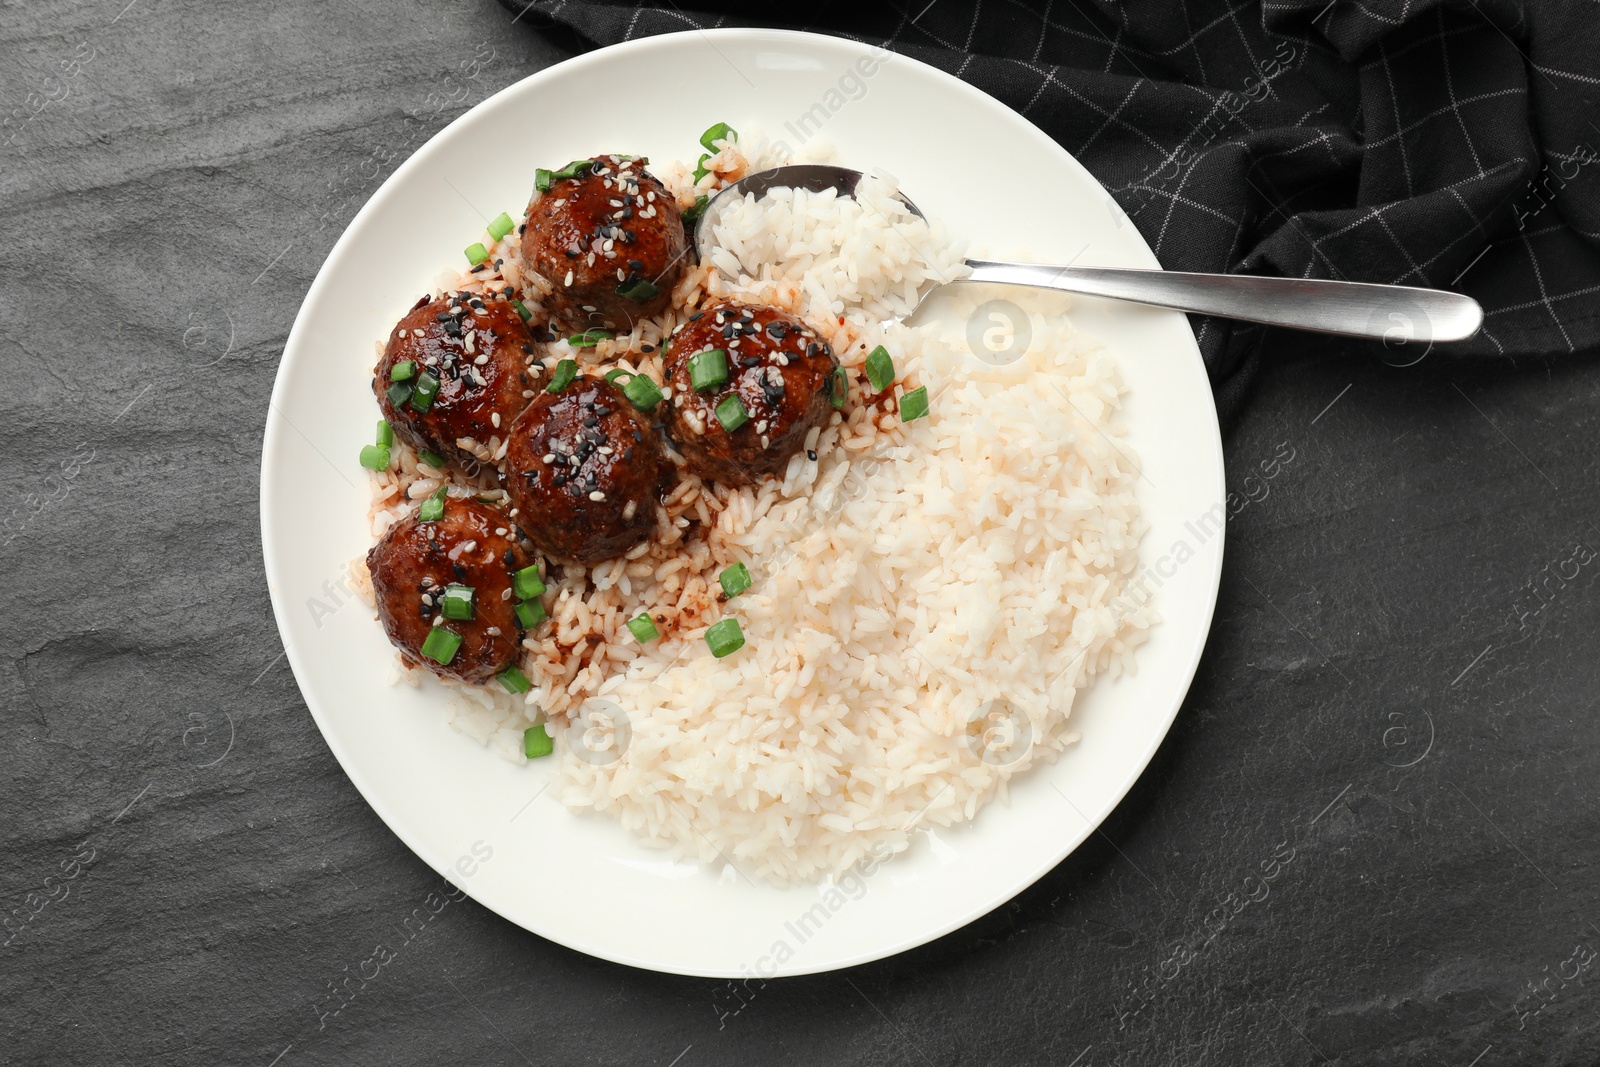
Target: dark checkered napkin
[1420,142]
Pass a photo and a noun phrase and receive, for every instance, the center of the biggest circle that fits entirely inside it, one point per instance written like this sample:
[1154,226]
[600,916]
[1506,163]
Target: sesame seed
[597,496]
[481,360]
[494,417]
[505,594]
[569,279]
[500,531]
[493,631]
[628,512]
[549,457]
[437,619]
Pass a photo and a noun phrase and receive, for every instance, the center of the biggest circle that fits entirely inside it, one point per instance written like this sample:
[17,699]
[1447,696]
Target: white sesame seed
[426,599]
[569,279]
[399,333]
[469,546]
[622,275]
[627,512]
[597,496]
[606,450]
[505,594]
[437,619]
[481,360]
[527,393]
[650,196]
[493,631]
[500,531]
[764,441]
[549,457]
[494,417]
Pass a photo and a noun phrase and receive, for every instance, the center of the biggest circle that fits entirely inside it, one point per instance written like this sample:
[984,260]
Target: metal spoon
[1392,313]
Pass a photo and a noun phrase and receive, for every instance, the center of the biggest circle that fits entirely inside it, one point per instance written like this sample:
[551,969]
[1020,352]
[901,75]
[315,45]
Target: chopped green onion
[914,404]
[514,681]
[735,579]
[403,371]
[642,391]
[566,370]
[530,613]
[457,602]
[542,179]
[476,254]
[375,457]
[385,434]
[725,637]
[880,369]
[698,208]
[643,628]
[613,375]
[399,393]
[527,584]
[442,644]
[432,459]
[708,369]
[720,132]
[522,310]
[839,387]
[501,225]
[573,169]
[700,169]
[588,338]
[731,413]
[432,509]
[639,290]
[427,388]
[536,742]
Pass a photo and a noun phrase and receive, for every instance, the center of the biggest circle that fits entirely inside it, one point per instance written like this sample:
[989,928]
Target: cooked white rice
[928,598]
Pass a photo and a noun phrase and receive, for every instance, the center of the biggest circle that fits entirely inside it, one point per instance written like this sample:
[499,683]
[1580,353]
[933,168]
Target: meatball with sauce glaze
[585,469]
[477,349]
[610,242]
[782,374]
[413,564]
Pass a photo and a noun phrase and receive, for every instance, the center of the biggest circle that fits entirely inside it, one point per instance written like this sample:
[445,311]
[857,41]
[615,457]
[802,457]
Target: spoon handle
[1392,313]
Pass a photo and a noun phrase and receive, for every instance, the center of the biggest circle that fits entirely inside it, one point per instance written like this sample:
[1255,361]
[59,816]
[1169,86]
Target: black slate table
[1370,839]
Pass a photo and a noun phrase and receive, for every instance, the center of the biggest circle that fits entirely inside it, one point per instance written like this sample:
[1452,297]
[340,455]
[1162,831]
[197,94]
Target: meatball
[585,468]
[782,374]
[476,349]
[609,242]
[416,562]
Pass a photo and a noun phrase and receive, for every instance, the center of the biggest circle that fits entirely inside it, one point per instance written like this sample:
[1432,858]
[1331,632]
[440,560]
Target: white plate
[483,822]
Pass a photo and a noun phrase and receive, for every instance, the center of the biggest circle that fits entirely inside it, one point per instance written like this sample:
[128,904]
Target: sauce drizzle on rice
[927,597]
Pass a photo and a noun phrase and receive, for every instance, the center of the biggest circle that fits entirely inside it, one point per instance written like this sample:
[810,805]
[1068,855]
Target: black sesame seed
[636,264]
[811,455]
[443,316]
[647,348]
[591,421]
[479,267]
[777,330]
[639,437]
[697,315]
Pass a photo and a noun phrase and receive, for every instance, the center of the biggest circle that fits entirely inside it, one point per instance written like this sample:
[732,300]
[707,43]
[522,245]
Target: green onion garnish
[432,459]
[566,370]
[725,637]
[375,457]
[643,628]
[700,169]
[427,388]
[457,602]
[638,290]
[442,644]
[476,254]
[403,371]
[514,680]
[914,404]
[527,584]
[544,179]
[642,391]
[536,742]
[501,225]
[731,413]
[613,375]
[385,434]
[399,393]
[432,509]
[720,132]
[588,338]
[708,369]
[839,387]
[735,579]
[880,369]
[698,208]
[522,310]
[530,613]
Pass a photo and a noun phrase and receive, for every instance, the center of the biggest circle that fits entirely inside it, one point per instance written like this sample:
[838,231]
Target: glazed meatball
[610,243]
[415,564]
[780,371]
[585,468]
[477,349]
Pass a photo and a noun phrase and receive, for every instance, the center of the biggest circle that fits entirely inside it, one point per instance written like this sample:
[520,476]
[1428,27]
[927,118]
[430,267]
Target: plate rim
[270,447]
